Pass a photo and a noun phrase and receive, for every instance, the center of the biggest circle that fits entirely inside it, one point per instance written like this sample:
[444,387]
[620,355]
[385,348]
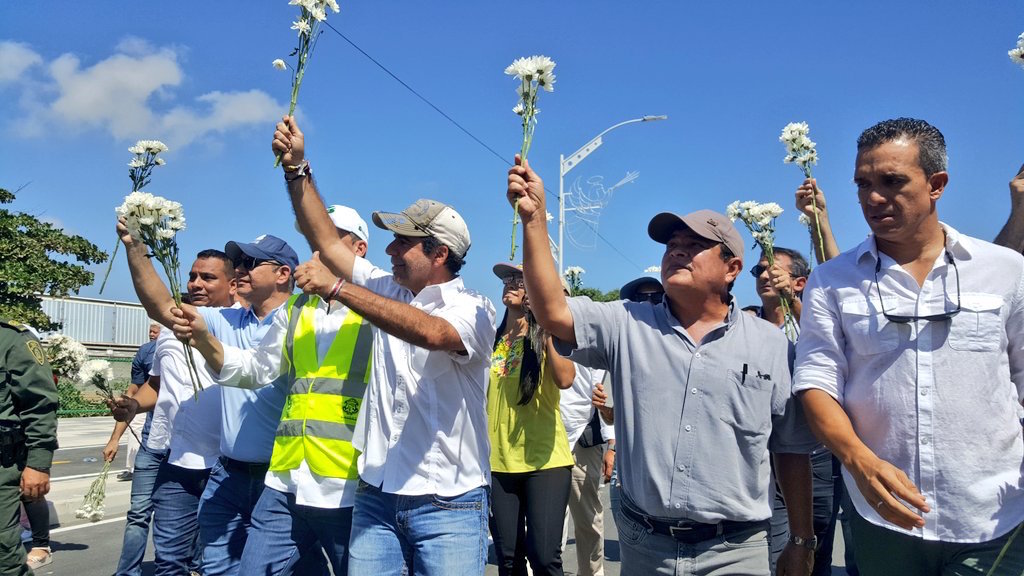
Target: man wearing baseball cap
[312,477]
[701,388]
[422,501]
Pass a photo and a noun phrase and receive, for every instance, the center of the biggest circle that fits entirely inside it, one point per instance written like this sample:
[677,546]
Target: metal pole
[576,158]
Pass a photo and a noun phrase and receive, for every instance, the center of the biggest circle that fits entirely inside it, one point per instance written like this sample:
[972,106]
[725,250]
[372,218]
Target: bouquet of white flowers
[760,220]
[533,73]
[92,505]
[312,15]
[66,355]
[800,150]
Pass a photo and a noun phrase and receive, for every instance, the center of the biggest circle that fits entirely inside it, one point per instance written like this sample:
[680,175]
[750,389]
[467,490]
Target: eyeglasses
[898,319]
[251,263]
[756,271]
[652,297]
[513,282]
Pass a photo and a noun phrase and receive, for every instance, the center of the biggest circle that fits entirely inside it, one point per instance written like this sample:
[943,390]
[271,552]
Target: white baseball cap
[347,219]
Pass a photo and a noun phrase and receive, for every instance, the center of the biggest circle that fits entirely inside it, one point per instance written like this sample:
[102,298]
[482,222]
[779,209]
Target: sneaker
[124,476]
[39,557]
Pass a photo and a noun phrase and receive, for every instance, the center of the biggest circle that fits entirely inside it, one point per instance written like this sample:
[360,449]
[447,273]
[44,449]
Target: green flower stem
[817,224]
[110,265]
[999,558]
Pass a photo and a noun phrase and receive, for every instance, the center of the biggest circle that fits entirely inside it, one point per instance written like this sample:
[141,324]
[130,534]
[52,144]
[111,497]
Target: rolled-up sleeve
[593,323]
[820,352]
[472,317]
[260,366]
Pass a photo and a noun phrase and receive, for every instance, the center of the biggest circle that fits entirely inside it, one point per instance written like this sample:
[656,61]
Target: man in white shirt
[910,365]
[311,482]
[421,505]
[187,429]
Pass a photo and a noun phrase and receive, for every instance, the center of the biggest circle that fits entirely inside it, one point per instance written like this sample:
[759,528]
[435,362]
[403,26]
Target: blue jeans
[285,532]
[419,535]
[136,528]
[176,518]
[226,520]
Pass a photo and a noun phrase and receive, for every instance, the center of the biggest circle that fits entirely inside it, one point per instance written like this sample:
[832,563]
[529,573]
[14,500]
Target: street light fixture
[566,164]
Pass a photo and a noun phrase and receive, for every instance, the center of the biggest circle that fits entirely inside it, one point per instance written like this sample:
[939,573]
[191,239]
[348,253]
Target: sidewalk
[81,440]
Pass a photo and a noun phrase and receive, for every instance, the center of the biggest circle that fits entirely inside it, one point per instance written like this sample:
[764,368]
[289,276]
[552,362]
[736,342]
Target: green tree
[596,295]
[38,258]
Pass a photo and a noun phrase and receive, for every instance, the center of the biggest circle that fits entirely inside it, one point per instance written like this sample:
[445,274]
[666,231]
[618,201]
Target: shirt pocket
[866,330]
[978,327]
[747,403]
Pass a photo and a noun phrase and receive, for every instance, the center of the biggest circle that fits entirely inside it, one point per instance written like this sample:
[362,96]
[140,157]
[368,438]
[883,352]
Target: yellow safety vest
[322,405]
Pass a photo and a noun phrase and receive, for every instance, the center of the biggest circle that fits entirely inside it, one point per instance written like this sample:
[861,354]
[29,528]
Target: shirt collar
[440,292]
[954,243]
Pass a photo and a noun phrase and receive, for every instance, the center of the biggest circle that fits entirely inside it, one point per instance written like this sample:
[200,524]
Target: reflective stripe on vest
[322,405]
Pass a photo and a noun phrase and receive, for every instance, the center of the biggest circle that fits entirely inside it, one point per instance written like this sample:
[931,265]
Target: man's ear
[937,182]
[284,275]
[735,265]
[440,255]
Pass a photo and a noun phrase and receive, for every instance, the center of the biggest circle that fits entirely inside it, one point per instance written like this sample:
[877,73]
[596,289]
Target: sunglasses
[652,297]
[251,263]
[514,282]
[756,271]
[899,319]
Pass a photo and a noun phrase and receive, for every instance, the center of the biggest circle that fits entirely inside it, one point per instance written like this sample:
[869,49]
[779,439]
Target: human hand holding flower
[781,281]
[189,325]
[289,142]
[526,192]
[810,198]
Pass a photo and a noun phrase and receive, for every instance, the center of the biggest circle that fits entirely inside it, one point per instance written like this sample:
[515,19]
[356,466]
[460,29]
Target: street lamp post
[566,164]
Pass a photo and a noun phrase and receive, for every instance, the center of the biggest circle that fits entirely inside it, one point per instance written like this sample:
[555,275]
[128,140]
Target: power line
[463,129]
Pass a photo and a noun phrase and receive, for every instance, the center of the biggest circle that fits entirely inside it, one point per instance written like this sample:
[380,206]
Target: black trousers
[528,511]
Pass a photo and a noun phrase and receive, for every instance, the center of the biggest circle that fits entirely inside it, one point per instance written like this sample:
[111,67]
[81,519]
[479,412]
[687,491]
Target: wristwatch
[809,543]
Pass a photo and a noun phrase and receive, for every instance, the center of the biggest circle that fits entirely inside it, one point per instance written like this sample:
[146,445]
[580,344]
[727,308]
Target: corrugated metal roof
[99,322]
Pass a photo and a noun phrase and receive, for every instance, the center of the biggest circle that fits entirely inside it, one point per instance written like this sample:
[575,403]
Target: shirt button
[394,438]
[693,390]
[924,392]
[678,505]
[681,467]
[697,355]
[924,440]
[688,427]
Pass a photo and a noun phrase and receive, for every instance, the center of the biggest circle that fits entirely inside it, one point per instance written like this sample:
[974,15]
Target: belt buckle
[682,530]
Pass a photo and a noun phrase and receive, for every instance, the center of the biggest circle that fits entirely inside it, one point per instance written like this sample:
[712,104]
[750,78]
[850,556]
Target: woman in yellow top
[531,463]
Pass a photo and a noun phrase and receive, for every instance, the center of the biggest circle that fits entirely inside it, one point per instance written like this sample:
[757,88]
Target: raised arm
[151,290]
[1012,234]
[809,196]
[547,301]
[309,208]
[396,318]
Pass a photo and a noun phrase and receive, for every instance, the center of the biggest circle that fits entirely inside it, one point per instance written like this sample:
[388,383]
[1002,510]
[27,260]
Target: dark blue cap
[265,247]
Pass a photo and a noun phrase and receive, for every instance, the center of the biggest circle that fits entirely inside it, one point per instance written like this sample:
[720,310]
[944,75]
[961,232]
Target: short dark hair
[453,263]
[799,268]
[931,145]
[229,266]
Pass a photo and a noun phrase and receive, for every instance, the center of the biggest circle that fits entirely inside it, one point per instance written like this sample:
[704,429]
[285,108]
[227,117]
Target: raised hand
[189,324]
[527,187]
[289,142]
[809,196]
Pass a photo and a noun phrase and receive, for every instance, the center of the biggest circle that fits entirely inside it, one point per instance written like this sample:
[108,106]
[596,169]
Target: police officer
[28,434]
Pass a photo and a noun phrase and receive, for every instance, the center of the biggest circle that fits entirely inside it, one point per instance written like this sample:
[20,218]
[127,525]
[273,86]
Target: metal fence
[99,323]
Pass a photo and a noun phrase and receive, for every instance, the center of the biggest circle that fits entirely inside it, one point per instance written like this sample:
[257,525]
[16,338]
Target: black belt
[250,468]
[690,532]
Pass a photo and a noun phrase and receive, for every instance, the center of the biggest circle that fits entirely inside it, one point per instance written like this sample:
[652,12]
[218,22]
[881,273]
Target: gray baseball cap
[428,218]
[706,223]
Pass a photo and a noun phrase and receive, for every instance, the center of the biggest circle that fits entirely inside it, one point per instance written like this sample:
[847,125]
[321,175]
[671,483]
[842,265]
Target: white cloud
[652,269]
[15,59]
[130,94]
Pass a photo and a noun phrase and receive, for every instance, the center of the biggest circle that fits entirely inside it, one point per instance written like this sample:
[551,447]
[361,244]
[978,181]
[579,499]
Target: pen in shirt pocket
[743,375]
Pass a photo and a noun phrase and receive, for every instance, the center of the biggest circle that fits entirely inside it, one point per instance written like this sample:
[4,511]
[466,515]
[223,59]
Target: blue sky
[82,82]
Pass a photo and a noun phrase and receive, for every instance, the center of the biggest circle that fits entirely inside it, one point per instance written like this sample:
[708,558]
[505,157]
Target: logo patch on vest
[351,407]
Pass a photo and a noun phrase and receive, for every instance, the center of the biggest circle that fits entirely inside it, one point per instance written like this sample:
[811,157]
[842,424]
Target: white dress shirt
[423,427]
[193,425]
[577,408]
[261,366]
[939,400]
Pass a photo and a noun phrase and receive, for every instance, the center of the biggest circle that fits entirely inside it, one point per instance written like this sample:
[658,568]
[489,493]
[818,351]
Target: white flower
[653,270]
[542,65]
[279,64]
[333,5]
[519,109]
[733,210]
[318,13]
[549,216]
[302,26]
[155,146]
[160,162]
[137,163]
[95,371]
[574,271]
[521,68]
[547,82]
[1017,55]
[804,219]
